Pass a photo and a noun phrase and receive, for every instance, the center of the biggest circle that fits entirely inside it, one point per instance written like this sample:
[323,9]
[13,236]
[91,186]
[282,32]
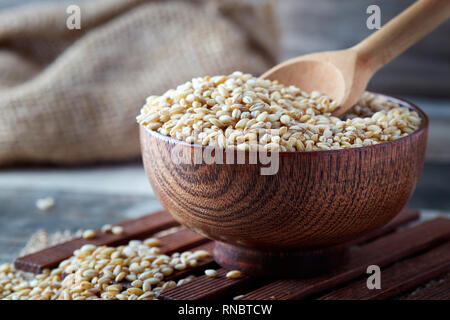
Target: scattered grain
[211,273]
[233,274]
[98,273]
[118,230]
[45,204]
[107,228]
[89,234]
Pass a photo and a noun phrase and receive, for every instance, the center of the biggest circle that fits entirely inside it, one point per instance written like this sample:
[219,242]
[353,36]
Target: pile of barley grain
[240,111]
[101,273]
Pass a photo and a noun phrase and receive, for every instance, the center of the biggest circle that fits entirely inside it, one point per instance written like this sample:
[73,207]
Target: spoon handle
[401,32]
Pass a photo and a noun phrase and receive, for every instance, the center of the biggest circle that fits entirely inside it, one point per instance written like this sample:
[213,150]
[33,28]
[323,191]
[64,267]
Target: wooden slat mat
[408,256]
[139,228]
[439,290]
[383,251]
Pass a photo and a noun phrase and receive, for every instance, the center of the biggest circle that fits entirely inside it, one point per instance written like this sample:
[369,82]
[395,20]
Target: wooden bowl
[293,221]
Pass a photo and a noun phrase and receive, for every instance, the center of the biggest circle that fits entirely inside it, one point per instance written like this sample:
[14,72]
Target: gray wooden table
[74,210]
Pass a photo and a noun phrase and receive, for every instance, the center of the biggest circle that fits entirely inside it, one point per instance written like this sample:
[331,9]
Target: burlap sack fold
[71,96]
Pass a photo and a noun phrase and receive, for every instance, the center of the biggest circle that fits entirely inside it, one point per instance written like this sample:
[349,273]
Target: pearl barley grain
[152,242]
[89,234]
[107,228]
[211,273]
[233,274]
[238,111]
[117,230]
[45,204]
[97,273]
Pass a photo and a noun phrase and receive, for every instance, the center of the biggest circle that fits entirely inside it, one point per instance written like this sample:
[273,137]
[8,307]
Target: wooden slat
[381,252]
[227,287]
[403,218]
[206,288]
[437,291]
[139,228]
[181,240]
[399,278]
[187,240]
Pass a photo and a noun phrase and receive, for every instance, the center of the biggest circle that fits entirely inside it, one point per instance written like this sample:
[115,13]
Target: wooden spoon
[343,75]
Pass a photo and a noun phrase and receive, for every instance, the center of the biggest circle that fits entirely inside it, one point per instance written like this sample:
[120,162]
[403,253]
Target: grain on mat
[233,274]
[98,273]
[89,234]
[211,273]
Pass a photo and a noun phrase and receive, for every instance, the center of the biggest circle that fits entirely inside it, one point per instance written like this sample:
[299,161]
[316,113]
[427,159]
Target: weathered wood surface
[20,218]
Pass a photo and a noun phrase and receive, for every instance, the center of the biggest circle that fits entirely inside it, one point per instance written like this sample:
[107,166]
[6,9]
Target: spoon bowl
[310,75]
[335,73]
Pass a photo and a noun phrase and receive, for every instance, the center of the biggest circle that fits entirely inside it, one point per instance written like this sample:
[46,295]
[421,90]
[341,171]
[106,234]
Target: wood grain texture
[139,228]
[316,199]
[400,278]
[298,263]
[206,288]
[402,219]
[382,252]
[181,240]
[280,264]
[437,291]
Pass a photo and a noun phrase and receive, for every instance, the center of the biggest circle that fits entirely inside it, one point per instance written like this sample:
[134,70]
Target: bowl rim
[402,102]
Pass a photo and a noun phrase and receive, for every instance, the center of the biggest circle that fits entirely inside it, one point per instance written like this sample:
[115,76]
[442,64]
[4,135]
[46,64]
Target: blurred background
[68,97]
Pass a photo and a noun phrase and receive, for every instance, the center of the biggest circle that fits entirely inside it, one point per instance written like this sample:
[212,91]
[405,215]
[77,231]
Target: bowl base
[279,264]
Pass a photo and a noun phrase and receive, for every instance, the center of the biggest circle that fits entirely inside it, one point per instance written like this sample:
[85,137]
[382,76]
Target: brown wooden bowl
[316,202]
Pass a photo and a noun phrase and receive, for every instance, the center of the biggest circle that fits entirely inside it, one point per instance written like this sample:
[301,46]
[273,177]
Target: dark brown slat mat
[181,240]
[437,291]
[382,252]
[383,247]
[190,291]
[139,228]
[403,218]
[206,288]
[399,278]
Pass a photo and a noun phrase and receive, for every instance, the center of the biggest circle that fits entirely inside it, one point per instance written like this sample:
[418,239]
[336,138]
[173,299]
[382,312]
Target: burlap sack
[71,96]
